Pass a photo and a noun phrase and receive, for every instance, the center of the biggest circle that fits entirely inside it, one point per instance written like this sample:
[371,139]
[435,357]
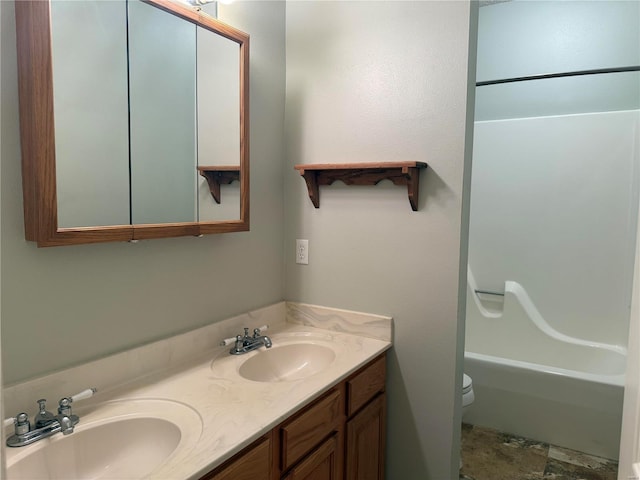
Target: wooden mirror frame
[37,136]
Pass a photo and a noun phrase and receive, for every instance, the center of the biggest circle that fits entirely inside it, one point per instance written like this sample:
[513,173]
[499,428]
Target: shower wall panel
[553,208]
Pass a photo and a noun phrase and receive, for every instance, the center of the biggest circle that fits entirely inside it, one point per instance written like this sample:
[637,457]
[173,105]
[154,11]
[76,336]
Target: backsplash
[344,321]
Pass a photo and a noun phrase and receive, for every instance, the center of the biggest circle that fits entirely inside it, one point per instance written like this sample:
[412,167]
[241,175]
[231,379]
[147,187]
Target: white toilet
[467,397]
[467,393]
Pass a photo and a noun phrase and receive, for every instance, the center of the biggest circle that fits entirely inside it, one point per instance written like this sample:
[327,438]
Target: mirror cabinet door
[162,102]
[218,120]
[90,112]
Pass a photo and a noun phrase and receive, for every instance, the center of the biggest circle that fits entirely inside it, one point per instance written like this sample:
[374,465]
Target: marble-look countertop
[234,411]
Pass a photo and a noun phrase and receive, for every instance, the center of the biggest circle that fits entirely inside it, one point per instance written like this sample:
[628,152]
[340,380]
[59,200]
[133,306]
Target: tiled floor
[492,455]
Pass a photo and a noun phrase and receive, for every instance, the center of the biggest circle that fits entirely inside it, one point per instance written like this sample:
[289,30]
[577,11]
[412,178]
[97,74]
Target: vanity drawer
[365,385]
[310,427]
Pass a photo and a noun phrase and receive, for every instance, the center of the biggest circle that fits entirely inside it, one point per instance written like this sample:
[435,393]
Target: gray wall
[67,305]
[386,81]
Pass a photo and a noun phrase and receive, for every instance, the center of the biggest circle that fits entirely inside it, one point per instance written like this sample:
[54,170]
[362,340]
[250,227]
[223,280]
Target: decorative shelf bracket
[400,173]
[219,175]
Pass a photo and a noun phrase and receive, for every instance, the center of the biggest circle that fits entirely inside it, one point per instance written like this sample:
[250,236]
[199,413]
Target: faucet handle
[227,341]
[258,331]
[88,393]
[64,405]
[42,411]
[43,417]
[21,423]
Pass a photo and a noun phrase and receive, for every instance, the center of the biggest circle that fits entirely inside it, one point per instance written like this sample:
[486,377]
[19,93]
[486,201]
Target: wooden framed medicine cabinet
[43,140]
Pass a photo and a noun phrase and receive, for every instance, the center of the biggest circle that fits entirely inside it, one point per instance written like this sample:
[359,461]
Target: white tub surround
[192,370]
[629,464]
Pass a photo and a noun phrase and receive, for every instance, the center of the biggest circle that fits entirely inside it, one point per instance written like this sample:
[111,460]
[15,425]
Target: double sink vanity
[310,406]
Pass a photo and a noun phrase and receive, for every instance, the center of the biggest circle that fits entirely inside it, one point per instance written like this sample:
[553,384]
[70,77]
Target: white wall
[383,81]
[68,305]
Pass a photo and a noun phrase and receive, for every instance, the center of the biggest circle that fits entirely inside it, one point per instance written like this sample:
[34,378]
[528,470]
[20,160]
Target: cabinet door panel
[321,464]
[252,464]
[366,442]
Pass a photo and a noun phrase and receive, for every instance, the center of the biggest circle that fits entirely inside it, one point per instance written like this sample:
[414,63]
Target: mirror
[218,98]
[163,110]
[149,100]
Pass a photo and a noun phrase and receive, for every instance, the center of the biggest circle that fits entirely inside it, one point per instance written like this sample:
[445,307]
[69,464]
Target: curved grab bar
[521,296]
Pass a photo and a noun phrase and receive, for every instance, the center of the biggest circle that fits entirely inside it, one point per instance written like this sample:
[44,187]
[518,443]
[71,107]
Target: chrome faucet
[246,343]
[46,423]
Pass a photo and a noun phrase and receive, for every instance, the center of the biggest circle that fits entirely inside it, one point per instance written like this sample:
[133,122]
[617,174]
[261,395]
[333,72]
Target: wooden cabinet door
[321,464]
[365,385]
[306,430]
[366,442]
[254,463]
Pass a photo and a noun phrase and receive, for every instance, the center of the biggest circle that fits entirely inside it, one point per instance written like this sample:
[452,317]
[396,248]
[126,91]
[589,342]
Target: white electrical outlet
[302,252]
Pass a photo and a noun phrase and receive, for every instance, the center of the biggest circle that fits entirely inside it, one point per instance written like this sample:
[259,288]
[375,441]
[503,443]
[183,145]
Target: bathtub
[533,381]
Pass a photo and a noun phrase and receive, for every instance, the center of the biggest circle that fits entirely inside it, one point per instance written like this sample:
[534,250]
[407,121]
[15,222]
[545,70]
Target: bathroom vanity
[310,407]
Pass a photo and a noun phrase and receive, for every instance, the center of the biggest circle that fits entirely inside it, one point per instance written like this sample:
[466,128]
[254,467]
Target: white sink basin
[287,363]
[128,439]
[293,356]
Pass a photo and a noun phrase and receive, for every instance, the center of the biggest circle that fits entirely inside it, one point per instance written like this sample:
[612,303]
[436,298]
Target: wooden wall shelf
[219,175]
[400,173]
